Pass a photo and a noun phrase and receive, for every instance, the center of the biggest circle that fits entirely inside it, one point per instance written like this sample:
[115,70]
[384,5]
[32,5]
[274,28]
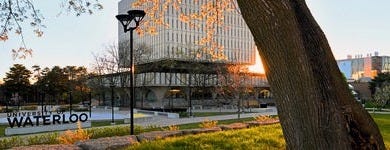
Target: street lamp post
[130,22]
[70,102]
[42,98]
[112,103]
[90,104]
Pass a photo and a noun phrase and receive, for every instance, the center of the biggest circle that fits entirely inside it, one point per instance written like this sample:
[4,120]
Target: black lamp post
[130,22]
[42,96]
[90,104]
[112,103]
[70,102]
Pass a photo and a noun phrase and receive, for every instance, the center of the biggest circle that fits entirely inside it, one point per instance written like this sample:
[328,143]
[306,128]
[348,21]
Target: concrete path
[164,121]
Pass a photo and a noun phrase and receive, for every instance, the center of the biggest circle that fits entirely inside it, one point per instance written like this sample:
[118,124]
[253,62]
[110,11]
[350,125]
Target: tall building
[168,62]
[361,67]
[178,41]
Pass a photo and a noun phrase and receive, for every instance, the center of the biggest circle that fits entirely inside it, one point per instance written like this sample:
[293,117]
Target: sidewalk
[164,121]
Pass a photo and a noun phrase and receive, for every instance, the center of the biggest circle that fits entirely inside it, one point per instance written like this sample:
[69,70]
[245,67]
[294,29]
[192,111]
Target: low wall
[158,113]
[146,118]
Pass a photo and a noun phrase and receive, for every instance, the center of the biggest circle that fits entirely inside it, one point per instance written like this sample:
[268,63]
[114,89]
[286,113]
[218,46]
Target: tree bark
[315,106]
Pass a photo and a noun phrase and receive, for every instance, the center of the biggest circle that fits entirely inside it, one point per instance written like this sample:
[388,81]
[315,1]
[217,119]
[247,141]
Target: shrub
[113,131]
[31,107]
[171,128]
[108,131]
[81,109]
[151,128]
[51,138]
[10,109]
[183,114]
[262,118]
[208,124]
[63,108]
[11,142]
[70,137]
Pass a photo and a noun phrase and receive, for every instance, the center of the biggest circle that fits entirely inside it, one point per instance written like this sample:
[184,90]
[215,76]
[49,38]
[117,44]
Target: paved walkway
[164,121]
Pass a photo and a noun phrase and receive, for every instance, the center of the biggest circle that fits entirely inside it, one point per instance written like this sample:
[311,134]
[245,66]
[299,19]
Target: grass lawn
[105,123]
[196,125]
[383,122]
[263,137]
[2,130]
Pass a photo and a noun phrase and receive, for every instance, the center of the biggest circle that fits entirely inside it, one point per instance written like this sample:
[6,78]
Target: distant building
[364,68]
[170,67]
[345,67]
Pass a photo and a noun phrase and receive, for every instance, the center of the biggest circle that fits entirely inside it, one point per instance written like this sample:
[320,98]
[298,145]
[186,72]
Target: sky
[351,26]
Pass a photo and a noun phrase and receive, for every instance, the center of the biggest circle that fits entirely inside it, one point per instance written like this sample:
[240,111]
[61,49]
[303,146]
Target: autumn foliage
[206,124]
[71,137]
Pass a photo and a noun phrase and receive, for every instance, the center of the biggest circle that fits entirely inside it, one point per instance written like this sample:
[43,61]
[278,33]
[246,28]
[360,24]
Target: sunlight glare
[258,66]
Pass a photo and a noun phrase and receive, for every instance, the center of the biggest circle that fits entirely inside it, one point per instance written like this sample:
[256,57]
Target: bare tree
[110,69]
[107,70]
[234,84]
[142,55]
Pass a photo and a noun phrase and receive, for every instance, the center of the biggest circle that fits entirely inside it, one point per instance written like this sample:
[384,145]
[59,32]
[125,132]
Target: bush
[113,131]
[171,128]
[183,114]
[10,109]
[63,108]
[11,142]
[31,107]
[81,109]
[262,118]
[206,124]
[71,137]
[51,138]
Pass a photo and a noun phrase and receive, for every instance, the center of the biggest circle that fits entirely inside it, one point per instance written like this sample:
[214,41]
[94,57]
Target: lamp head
[125,20]
[137,15]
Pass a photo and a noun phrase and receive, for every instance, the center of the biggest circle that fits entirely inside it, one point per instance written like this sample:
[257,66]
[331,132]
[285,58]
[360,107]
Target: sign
[38,121]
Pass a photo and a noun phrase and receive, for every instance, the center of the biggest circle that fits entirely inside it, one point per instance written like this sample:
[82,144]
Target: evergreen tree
[17,83]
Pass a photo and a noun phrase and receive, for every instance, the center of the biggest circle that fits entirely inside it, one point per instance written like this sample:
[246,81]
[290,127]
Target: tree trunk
[315,106]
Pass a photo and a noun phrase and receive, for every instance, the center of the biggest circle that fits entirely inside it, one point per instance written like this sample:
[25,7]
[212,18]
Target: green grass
[265,137]
[370,104]
[105,123]
[383,122]
[220,122]
[2,130]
